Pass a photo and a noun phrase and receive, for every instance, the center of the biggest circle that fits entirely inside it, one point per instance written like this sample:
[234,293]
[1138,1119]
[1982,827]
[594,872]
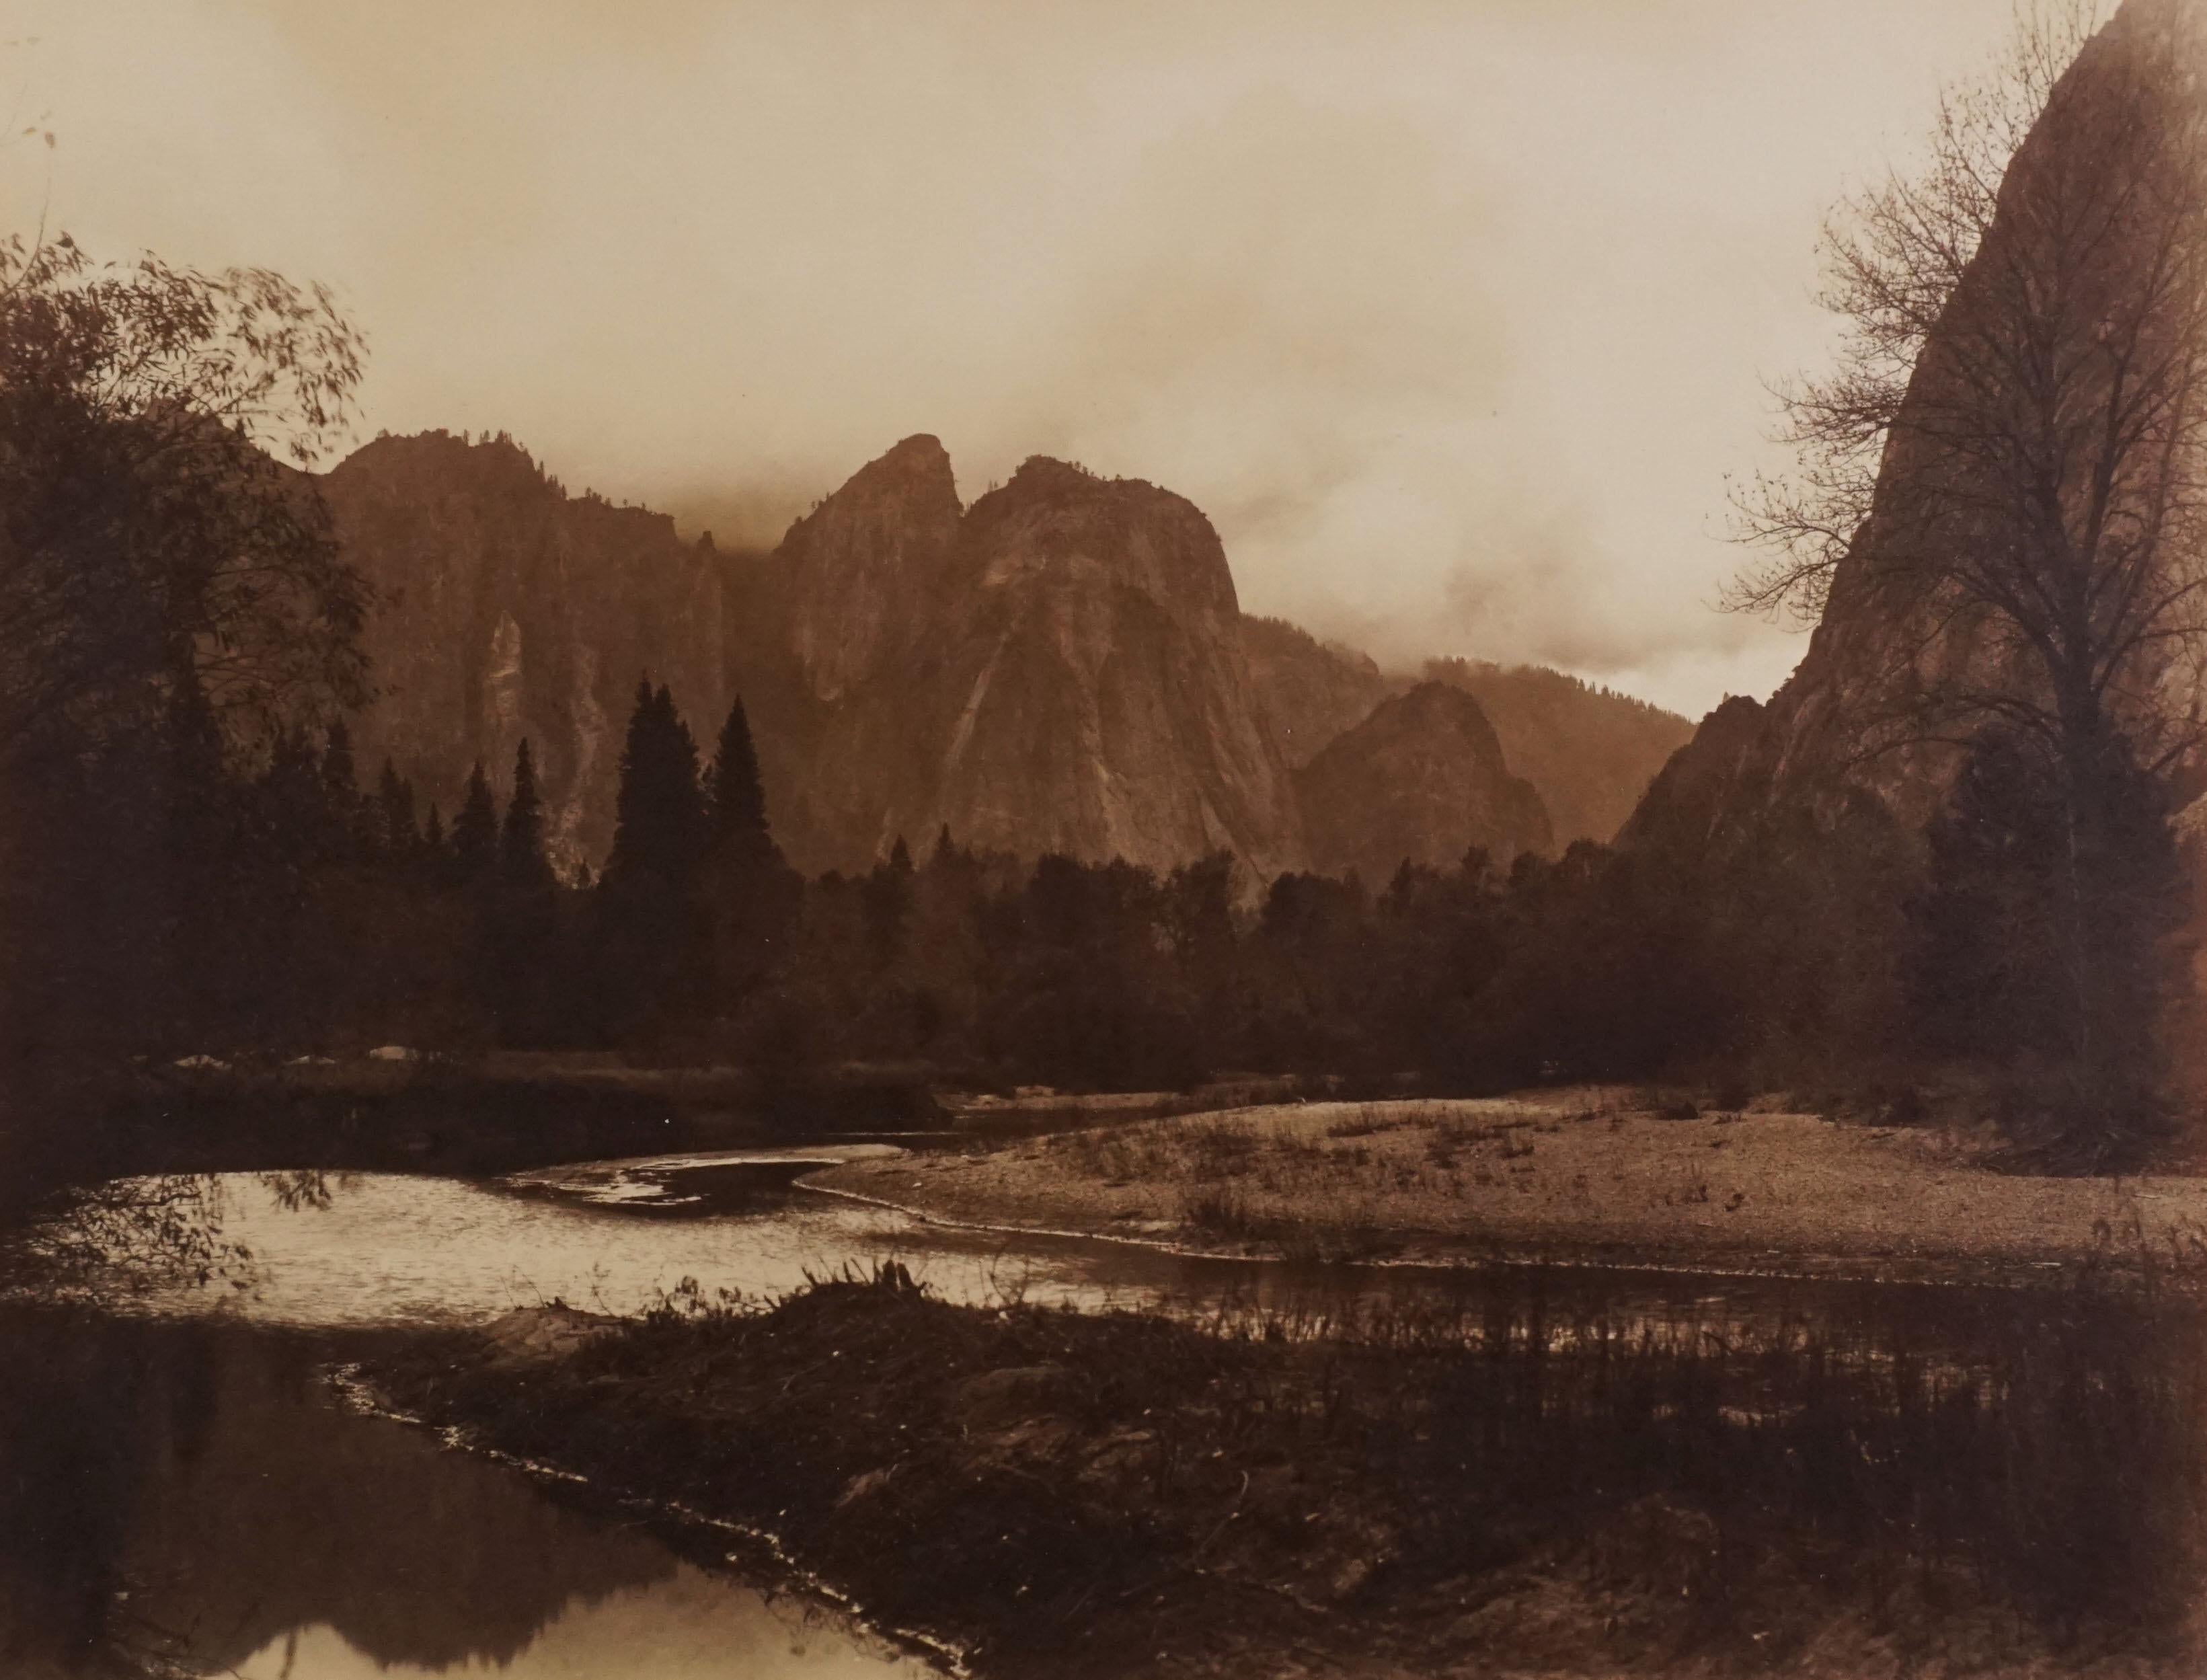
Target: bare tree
[2000,492]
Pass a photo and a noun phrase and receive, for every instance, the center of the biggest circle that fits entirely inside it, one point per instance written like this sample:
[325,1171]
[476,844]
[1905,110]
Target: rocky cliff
[1422,780]
[1590,751]
[1904,662]
[509,608]
[1071,680]
[1062,666]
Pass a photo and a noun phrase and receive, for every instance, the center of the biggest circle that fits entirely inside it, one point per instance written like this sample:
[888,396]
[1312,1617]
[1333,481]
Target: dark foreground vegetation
[1537,1487]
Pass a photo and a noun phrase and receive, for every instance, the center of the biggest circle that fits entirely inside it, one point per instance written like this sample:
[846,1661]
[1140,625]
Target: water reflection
[385,1248]
[190,1498]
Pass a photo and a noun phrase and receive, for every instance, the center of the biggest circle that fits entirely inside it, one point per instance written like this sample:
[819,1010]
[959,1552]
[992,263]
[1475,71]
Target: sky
[1454,318]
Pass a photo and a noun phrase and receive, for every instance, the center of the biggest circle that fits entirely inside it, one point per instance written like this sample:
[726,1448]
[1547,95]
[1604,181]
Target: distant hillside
[1591,751]
[1309,692]
[1421,780]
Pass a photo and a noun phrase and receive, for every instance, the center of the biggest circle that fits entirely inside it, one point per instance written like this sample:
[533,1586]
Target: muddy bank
[1075,1496]
[1583,1179]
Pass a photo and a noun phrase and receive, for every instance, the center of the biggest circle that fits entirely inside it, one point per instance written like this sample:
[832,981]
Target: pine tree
[394,800]
[658,812]
[654,944]
[474,830]
[736,811]
[339,780]
[522,859]
[433,833]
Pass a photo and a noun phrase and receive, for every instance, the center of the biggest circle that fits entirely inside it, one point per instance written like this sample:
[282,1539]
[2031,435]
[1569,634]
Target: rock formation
[1073,681]
[1590,753]
[1860,716]
[1310,692]
[507,609]
[1062,666]
[1422,780]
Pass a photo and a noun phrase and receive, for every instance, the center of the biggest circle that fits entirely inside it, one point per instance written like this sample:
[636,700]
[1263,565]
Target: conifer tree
[522,859]
[736,808]
[339,780]
[474,830]
[658,812]
[394,800]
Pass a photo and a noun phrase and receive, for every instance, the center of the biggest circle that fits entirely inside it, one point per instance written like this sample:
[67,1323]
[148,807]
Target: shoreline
[1460,1185]
[1035,1493]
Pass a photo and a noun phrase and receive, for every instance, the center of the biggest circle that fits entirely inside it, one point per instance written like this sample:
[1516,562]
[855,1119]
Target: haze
[1452,318]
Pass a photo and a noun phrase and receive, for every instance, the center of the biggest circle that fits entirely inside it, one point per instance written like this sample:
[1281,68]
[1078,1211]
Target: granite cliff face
[1057,669]
[1062,666]
[1856,718]
[1423,781]
[510,609]
[1071,680]
[1591,753]
[864,571]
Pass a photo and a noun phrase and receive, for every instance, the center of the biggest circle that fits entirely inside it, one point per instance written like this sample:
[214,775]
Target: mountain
[1590,751]
[1309,692]
[1872,709]
[1423,780]
[1069,678]
[1062,666]
[508,608]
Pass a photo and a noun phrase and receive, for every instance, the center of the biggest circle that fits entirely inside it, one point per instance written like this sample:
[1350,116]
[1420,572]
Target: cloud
[1451,316]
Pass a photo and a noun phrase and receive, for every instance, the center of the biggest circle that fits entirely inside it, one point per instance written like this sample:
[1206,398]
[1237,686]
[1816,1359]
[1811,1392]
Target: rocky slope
[1062,666]
[1310,692]
[509,608]
[1873,706]
[1422,780]
[1073,680]
[1590,753]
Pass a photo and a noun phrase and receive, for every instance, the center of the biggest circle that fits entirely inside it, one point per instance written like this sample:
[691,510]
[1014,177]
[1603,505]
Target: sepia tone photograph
[1024,839]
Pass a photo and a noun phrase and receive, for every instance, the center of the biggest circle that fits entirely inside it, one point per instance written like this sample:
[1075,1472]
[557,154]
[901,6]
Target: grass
[1522,1485]
[1584,1176]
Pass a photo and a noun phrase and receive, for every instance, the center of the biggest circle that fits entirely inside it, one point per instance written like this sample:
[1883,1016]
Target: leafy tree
[150,541]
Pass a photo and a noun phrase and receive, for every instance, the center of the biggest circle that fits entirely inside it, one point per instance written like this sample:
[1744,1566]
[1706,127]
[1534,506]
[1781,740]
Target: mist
[1453,318]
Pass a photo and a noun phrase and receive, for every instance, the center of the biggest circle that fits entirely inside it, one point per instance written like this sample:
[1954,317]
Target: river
[184,1486]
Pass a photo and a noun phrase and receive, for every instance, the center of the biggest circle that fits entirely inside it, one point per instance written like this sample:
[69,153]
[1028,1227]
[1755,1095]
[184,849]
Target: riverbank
[1591,1177]
[1094,1497]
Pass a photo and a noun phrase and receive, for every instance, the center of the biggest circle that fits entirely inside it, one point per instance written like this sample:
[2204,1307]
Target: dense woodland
[307,907]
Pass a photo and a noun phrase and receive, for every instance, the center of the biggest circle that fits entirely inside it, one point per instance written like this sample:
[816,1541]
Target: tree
[750,893]
[2005,471]
[520,925]
[654,942]
[735,797]
[522,863]
[394,802]
[474,830]
[150,540]
[659,810]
